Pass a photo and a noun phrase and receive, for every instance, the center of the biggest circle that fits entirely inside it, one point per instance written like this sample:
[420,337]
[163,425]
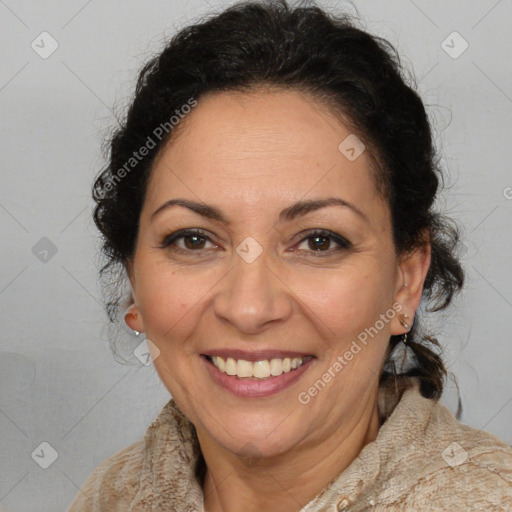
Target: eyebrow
[293,211]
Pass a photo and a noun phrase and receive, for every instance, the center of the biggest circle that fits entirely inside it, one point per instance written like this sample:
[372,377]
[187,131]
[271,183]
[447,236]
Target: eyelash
[343,243]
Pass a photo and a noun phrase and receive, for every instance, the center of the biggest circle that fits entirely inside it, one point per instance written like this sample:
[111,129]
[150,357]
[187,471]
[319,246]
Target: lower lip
[255,388]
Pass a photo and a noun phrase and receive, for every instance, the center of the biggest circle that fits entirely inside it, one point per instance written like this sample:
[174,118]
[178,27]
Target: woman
[269,198]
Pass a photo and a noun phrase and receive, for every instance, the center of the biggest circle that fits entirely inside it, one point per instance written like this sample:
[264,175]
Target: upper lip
[255,355]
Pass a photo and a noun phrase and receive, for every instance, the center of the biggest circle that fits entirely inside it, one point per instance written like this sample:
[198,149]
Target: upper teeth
[258,369]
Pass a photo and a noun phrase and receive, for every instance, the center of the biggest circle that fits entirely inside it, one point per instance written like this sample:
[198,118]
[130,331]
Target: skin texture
[251,155]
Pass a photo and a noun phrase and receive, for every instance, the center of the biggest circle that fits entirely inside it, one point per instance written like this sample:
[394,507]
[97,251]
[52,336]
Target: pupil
[193,241]
[320,242]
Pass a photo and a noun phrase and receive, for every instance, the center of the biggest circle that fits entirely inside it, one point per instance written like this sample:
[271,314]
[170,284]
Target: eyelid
[181,233]
[341,242]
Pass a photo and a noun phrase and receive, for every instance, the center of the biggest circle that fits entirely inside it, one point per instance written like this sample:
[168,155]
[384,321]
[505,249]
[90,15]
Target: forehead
[261,146]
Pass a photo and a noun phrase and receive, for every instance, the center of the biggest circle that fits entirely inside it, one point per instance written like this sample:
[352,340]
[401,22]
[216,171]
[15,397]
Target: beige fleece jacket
[423,459]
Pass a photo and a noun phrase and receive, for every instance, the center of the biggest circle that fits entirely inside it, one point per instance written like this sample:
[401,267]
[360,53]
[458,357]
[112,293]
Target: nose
[251,296]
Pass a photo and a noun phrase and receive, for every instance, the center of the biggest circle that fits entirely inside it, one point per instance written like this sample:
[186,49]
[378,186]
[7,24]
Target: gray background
[58,380]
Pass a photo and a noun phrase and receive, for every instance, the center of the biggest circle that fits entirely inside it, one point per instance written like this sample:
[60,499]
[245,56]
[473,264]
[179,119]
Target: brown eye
[187,240]
[324,242]
[319,243]
[194,241]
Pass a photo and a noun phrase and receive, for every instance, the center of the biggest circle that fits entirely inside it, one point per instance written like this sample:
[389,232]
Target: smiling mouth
[264,369]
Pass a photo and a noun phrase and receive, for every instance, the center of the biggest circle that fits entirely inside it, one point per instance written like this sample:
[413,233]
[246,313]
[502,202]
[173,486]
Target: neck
[288,482]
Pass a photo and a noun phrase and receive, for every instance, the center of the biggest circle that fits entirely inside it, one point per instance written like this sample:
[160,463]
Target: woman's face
[267,274]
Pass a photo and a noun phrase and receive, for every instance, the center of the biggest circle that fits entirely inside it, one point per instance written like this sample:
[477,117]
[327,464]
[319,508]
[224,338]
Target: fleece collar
[171,455]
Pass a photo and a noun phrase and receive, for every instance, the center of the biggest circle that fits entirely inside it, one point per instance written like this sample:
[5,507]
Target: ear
[133,316]
[412,271]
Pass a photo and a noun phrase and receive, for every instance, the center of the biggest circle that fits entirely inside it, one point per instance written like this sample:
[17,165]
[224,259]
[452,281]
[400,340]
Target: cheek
[170,300]
[344,302]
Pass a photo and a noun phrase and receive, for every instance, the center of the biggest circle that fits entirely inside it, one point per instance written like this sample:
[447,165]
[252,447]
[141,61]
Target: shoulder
[444,463]
[158,470]
[113,484]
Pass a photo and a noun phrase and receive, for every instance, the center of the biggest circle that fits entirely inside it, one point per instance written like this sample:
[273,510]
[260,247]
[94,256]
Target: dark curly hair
[359,76]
